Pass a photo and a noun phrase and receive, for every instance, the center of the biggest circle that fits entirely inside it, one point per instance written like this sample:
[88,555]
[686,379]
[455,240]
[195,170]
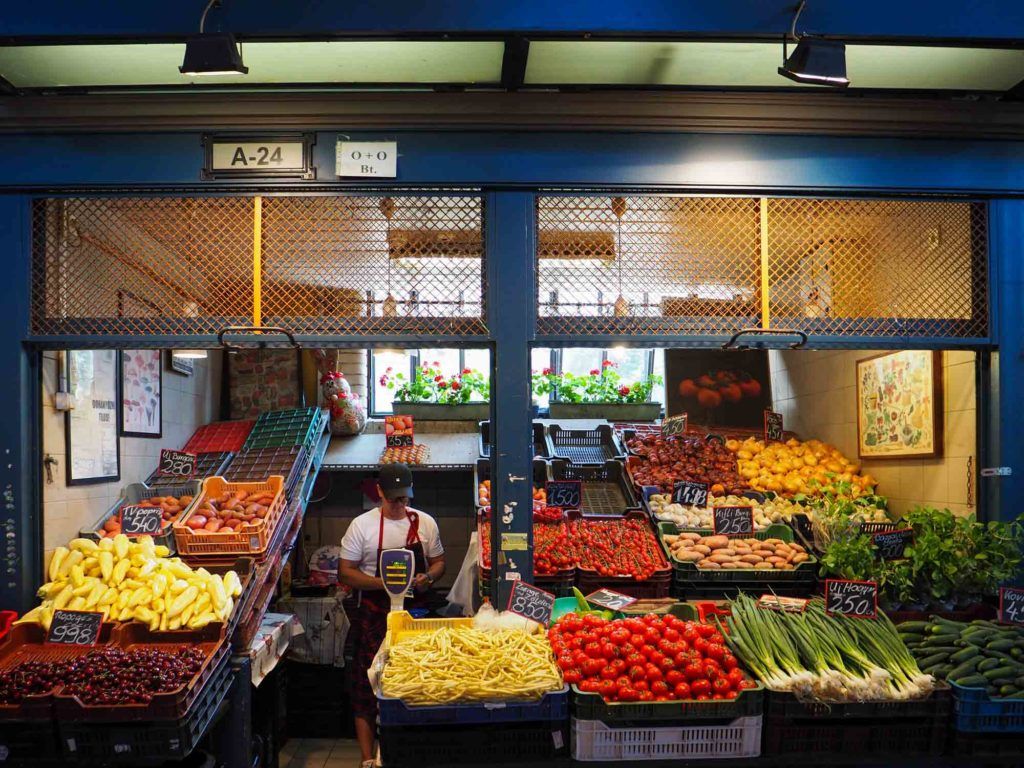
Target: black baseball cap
[395,480]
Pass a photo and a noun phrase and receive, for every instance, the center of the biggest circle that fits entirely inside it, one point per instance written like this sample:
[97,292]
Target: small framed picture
[899,405]
[141,384]
[92,445]
[183,365]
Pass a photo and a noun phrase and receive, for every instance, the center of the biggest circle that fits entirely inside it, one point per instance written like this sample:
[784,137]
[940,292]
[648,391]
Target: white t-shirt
[359,543]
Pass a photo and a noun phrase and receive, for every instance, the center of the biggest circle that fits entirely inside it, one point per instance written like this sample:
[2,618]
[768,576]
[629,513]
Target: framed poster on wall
[141,385]
[899,405]
[90,427]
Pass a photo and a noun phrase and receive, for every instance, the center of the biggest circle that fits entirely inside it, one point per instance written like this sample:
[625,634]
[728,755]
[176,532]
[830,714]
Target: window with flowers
[445,376]
[584,375]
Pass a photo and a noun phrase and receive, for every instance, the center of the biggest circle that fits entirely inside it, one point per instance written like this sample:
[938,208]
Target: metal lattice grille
[878,267]
[382,265]
[702,266]
[646,264]
[141,265]
[325,265]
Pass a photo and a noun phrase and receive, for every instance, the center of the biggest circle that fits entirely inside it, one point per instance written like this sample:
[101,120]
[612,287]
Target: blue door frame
[510,168]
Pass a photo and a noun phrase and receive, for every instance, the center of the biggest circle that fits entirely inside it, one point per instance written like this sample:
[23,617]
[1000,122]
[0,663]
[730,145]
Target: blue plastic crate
[553,706]
[974,711]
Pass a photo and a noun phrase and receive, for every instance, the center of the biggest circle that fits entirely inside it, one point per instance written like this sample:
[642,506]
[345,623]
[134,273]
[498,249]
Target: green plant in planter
[601,385]
[430,385]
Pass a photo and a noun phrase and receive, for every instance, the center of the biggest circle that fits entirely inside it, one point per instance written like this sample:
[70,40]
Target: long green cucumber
[998,672]
[911,637]
[928,650]
[963,655]
[1000,645]
[940,640]
[936,659]
[918,627]
[965,668]
[969,681]
[986,664]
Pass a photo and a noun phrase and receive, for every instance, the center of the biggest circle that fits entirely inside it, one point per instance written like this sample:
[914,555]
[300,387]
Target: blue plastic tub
[553,706]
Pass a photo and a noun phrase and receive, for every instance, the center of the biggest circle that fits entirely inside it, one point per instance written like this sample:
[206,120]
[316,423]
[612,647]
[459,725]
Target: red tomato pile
[624,547]
[552,549]
[656,658]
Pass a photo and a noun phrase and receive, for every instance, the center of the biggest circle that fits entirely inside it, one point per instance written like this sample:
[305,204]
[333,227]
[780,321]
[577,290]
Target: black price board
[892,545]
[75,627]
[141,521]
[674,425]
[695,494]
[772,427]
[1011,605]
[399,441]
[566,494]
[613,601]
[177,463]
[531,602]
[858,599]
[734,521]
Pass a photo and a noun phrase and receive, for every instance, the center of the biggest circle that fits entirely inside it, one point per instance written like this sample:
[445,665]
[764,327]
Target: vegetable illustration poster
[140,392]
[899,405]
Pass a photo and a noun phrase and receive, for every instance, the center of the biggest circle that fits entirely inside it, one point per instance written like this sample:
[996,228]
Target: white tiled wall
[187,401]
[816,392]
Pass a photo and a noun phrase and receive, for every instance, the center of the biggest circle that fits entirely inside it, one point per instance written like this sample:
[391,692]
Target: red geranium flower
[456,386]
[443,385]
[623,390]
[466,370]
[594,372]
[439,377]
[607,363]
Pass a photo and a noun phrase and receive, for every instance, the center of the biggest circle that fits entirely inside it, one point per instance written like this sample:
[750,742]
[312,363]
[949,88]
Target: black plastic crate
[584,446]
[317,701]
[996,745]
[504,743]
[540,445]
[606,488]
[591,706]
[259,464]
[137,742]
[805,586]
[28,741]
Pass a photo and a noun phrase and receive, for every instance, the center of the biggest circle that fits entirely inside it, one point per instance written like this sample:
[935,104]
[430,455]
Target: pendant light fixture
[213,53]
[621,308]
[815,60]
[387,207]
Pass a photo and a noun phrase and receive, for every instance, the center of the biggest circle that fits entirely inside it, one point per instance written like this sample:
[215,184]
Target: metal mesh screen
[878,267]
[700,266]
[145,266]
[380,265]
[185,266]
[647,264]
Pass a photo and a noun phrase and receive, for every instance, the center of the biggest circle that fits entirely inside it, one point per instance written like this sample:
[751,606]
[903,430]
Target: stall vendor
[392,525]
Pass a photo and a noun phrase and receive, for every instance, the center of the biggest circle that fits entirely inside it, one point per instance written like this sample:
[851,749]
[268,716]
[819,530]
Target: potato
[708,563]
[799,557]
[755,559]
[715,542]
[688,557]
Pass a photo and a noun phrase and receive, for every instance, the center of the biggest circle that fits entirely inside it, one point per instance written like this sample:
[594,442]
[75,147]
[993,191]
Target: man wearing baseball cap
[392,525]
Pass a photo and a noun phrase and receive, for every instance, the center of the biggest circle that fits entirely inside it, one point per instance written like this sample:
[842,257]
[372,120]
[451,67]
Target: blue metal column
[20,519]
[1006,259]
[510,227]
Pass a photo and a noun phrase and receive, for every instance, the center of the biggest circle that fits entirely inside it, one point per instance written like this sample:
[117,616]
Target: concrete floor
[320,753]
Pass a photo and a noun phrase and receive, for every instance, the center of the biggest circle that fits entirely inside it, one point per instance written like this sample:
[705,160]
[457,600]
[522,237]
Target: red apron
[370,622]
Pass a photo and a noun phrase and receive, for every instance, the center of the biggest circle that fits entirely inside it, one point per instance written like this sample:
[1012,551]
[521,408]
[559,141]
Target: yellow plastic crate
[402,623]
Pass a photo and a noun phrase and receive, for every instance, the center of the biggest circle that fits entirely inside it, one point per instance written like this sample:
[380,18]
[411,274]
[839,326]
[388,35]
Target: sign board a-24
[258,156]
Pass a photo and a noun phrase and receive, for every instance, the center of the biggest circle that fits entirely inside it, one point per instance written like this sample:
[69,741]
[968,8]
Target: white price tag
[377,159]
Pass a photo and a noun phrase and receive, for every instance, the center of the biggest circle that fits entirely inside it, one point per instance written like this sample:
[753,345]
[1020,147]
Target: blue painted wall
[912,18]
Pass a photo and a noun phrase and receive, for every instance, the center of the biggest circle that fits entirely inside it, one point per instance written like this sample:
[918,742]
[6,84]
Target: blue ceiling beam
[868,18]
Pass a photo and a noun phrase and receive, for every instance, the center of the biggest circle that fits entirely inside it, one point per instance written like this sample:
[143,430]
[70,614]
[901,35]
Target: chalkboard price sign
[734,521]
[398,431]
[140,521]
[75,627]
[567,494]
[892,545]
[1011,605]
[177,463]
[610,599]
[531,602]
[674,425]
[695,494]
[858,599]
[772,427]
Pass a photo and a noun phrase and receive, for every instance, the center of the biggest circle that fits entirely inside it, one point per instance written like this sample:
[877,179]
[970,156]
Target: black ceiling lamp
[815,60]
[214,53]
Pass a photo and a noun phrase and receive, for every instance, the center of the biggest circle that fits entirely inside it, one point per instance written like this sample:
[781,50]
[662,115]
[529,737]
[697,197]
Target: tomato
[666,664]
[712,671]
[589,637]
[593,620]
[652,636]
[721,685]
[576,643]
[700,686]
[694,672]
[649,652]
[659,688]
[652,673]
[571,622]
[671,634]
[589,686]
[653,619]
[691,636]
[646,696]
[578,657]
[716,638]
[633,625]
[665,646]
[637,673]
[627,694]
[716,652]
[592,667]
[622,681]
[641,685]
[729,662]
[609,651]
[684,645]
[609,673]
[701,646]
[736,677]
[618,664]
[682,659]
[593,650]
[572,677]
[682,691]
[705,630]
[717,696]
[702,697]
[673,677]
[607,688]
[565,662]
[637,641]
[732,694]
[635,658]
[619,636]
[709,662]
